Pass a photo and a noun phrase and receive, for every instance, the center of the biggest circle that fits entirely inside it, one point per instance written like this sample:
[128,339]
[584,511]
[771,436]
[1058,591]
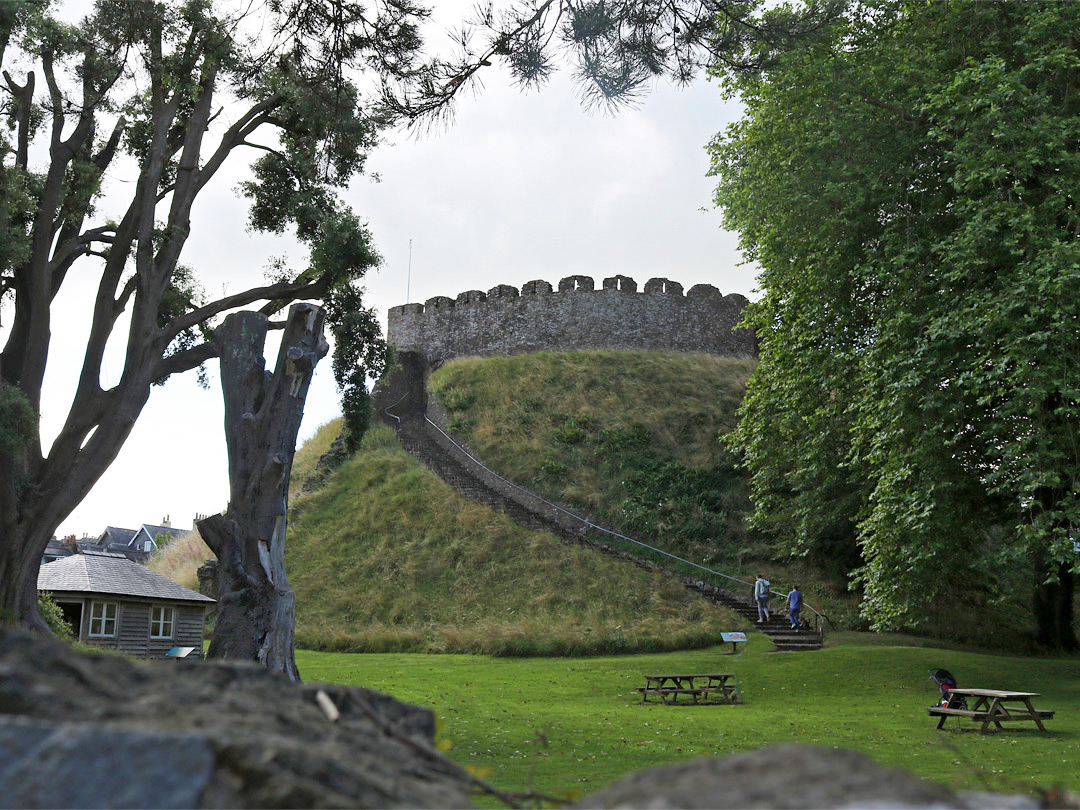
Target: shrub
[54,617]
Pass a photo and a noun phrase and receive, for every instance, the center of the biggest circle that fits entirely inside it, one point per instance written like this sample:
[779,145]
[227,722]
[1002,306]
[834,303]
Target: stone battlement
[508,321]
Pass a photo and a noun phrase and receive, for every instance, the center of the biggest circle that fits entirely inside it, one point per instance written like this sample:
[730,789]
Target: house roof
[115,574]
[112,534]
[153,531]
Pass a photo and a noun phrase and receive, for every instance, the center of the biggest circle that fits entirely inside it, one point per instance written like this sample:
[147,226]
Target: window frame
[103,620]
[161,622]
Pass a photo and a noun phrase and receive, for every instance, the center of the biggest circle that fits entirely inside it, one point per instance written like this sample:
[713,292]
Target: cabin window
[103,619]
[161,622]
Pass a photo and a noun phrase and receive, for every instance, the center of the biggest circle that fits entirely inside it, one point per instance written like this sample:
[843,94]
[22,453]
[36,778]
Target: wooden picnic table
[700,687]
[990,707]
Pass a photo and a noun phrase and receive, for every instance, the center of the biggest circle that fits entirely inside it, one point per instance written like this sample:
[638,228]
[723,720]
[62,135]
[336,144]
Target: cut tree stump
[256,610]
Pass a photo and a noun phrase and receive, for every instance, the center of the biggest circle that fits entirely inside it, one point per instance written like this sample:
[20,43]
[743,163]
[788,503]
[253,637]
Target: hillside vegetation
[629,437]
[386,557]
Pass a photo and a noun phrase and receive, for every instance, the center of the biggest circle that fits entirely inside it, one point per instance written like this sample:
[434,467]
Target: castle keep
[506,321]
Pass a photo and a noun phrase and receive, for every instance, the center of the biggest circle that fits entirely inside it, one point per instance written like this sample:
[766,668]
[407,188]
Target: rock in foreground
[788,776]
[91,731]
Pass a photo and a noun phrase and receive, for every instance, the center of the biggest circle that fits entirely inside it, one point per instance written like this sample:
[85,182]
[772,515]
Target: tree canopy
[907,180]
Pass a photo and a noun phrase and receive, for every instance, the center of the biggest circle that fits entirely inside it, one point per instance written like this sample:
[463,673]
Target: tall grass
[308,454]
[180,560]
[387,557]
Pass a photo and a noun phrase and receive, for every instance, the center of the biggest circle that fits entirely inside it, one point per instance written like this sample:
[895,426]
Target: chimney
[166,523]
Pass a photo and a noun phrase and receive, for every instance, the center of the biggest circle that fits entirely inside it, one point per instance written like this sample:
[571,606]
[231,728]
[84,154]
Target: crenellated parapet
[507,321]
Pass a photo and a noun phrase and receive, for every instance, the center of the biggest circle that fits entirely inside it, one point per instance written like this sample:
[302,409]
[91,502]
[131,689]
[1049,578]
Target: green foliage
[360,355]
[440,573]
[907,184]
[628,437]
[551,725]
[183,293]
[15,215]
[572,429]
[53,616]
[18,420]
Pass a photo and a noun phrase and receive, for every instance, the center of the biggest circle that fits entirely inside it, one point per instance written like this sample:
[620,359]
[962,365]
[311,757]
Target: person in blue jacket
[794,600]
[761,594]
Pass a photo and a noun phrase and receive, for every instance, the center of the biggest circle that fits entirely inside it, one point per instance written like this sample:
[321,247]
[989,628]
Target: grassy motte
[386,557]
[557,725]
[630,437]
[633,440]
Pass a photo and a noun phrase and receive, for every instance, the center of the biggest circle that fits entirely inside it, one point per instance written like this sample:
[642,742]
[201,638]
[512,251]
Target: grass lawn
[576,724]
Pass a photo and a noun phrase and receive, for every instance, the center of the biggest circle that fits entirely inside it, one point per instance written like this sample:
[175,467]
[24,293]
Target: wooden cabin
[110,601]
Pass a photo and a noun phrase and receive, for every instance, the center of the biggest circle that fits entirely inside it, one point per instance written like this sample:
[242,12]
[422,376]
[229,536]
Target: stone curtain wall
[506,321]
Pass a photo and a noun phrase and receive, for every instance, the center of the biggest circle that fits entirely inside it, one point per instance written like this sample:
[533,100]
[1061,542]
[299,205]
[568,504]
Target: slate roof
[112,534]
[153,531]
[115,574]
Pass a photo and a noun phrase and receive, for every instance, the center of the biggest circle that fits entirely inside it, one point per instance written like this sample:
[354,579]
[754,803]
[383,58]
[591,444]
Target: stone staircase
[778,628]
[434,456]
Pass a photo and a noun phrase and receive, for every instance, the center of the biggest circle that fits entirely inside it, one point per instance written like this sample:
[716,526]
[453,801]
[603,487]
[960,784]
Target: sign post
[734,638]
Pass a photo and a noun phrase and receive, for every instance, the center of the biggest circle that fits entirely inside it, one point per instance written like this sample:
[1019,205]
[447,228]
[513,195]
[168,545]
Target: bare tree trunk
[256,606]
[1053,605]
[20,555]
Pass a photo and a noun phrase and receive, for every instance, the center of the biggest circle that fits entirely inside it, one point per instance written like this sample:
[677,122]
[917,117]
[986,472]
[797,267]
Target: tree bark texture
[256,607]
[1054,605]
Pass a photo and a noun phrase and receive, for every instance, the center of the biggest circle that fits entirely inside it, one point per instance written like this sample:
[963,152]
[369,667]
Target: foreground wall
[506,321]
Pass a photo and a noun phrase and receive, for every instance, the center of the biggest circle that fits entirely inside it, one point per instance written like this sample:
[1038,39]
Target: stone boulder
[788,776]
[81,730]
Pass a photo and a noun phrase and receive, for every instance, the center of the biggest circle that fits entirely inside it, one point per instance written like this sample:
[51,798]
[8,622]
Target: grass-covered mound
[629,437]
[633,440]
[386,557]
[180,560]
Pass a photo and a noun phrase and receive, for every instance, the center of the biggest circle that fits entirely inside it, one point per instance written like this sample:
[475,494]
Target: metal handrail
[386,410]
[601,529]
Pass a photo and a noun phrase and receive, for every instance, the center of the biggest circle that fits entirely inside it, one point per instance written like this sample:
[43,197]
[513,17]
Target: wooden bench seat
[939,711]
[727,694]
[697,690]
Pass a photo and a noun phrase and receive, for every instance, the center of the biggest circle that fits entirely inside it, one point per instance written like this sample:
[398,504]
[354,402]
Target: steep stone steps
[433,450]
[778,628]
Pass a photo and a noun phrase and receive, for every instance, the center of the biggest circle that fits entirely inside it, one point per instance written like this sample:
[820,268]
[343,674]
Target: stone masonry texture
[576,316]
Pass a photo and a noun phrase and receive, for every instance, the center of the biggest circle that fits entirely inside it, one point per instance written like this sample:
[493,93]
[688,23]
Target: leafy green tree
[907,181]
[149,82]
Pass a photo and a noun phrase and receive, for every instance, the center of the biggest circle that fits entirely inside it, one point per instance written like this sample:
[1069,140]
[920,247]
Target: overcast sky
[519,187]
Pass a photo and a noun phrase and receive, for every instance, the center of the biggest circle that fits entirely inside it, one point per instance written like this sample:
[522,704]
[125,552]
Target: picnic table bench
[990,707]
[700,688]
